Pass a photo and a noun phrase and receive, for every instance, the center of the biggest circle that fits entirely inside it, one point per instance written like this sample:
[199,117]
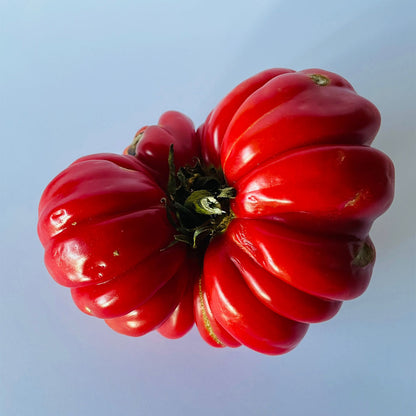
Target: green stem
[198,203]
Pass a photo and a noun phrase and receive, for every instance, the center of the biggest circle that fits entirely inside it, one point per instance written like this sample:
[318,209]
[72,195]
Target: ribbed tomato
[106,235]
[253,227]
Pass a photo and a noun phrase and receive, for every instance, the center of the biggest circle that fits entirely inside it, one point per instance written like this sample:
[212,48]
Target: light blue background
[81,77]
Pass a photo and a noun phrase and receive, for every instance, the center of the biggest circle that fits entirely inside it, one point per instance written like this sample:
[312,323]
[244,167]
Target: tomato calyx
[198,202]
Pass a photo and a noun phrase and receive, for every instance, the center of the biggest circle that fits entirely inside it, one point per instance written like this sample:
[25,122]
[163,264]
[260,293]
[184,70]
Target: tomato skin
[181,320]
[287,112]
[210,329]
[239,311]
[217,122]
[95,198]
[278,295]
[105,231]
[334,189]
[320,265]
[119,296]
[156,310]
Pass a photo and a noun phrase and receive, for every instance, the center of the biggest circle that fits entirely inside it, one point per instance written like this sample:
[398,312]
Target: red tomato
[253,227]
[106,235]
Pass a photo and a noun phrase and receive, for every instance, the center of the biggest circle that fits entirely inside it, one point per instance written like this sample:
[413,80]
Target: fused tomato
[253,227]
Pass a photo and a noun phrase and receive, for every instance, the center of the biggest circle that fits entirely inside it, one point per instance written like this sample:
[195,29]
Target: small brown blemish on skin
[129,170]
[207,324]
[319,79]
[116,253]
[132,148]
[74,223]
[354,200]
[340,156]
[366,255]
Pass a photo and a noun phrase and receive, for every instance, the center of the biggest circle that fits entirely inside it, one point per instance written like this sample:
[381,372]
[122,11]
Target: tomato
[253,227]
[106,235]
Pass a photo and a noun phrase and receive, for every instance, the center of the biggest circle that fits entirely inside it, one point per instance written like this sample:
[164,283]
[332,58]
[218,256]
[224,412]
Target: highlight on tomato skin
[217,122]
[280,296]
[293,189]
[253,226]
[120,296]
[181,320]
